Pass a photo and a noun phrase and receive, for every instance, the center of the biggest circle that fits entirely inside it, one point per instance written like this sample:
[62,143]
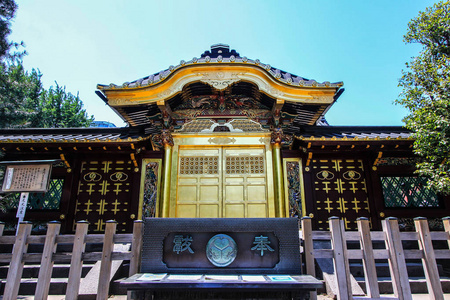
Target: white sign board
[22,206]
[26,178]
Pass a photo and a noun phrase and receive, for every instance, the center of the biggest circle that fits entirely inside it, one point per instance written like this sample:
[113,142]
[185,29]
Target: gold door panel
[244,183]
[198,185]
[222,182]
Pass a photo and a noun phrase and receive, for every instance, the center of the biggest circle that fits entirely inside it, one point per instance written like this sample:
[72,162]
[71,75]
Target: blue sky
[82,43]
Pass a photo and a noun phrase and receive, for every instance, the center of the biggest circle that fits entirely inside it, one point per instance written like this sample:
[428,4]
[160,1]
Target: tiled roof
[353,132]
[56,135]
[128,134]
[221,54]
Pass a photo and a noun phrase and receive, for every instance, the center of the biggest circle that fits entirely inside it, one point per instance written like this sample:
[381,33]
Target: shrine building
[221,136]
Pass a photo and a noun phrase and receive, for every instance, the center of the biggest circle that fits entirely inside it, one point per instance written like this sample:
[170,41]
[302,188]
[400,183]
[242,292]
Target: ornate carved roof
[221,54]
[221,84]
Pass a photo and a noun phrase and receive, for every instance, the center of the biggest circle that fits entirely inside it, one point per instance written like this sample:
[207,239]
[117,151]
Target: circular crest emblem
[221,250]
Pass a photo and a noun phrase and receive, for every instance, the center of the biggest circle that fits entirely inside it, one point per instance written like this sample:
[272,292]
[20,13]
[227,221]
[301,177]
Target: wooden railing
[48,257]
[393,252]
[391,236]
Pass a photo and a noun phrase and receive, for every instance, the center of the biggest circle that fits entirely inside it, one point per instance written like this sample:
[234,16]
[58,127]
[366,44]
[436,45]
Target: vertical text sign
[22,206]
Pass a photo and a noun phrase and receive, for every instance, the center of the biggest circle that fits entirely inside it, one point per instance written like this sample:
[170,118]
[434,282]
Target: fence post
[308,249]
[45,271]
[136,248]
[429,259]
[446,222]
[2,227]
[340,261]
[105,267]
[76,263]
[370,271]
[16,266]
[397,263]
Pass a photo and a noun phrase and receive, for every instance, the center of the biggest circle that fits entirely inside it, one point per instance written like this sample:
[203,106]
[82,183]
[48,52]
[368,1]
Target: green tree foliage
[23,101]
[60,109]
[426,93]
[19,96]
[7,11]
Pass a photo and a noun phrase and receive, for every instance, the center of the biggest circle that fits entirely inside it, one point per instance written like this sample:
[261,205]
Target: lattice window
[195,165]
[42,201]
[246,164]
[408,192]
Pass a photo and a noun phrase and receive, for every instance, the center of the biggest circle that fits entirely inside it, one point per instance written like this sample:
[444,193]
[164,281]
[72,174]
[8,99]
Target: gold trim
[271,202]
[174,84]
[166,202]
[64,160]
[281,208]
[96,141]
[166,74]
[145,161]
[380,154]
[201,141]
[347,139]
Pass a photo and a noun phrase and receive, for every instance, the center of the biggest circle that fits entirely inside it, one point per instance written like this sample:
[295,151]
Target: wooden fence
[48,256]
[391,236]
[393,252]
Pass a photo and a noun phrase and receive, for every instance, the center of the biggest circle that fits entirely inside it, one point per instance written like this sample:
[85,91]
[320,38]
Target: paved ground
[415,297]
[63,297]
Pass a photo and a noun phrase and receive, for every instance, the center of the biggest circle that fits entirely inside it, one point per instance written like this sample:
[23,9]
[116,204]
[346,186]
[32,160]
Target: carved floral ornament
[278,137]
[166,137]
[158,141]
[220,80]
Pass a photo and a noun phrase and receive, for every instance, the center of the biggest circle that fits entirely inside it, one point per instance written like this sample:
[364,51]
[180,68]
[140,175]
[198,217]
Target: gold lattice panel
[196,125]
[340,190]
[195,165]
[245,164]
[247,125]
[103,194]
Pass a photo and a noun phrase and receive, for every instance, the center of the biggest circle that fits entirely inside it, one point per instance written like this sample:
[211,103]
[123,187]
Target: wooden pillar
[167,141]
[280,201]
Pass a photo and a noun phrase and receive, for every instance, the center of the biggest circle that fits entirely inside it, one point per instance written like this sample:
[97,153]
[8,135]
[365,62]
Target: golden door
[221,182]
